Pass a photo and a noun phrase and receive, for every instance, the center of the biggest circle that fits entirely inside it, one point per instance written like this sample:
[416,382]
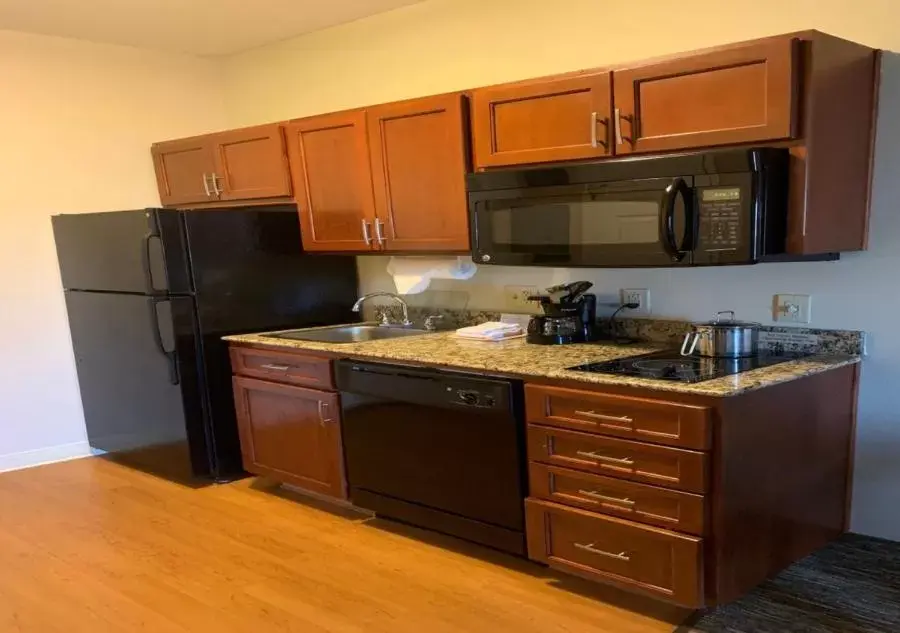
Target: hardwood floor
[90,545]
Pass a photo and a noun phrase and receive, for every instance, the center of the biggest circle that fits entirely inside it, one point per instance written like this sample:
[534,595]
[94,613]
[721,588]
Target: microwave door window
[617,222]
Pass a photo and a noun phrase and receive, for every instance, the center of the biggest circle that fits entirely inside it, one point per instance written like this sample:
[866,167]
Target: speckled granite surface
[518,358]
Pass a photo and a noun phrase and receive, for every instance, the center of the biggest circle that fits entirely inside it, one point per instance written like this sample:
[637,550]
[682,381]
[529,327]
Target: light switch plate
[791,308]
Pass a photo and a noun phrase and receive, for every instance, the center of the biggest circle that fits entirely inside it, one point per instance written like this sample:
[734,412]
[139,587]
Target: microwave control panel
[720,218]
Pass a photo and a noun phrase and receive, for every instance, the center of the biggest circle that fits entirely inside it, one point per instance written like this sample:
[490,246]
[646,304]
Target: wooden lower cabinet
[633,556]
[291,434]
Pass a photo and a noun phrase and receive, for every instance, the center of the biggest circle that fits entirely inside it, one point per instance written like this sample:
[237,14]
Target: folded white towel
[490,331]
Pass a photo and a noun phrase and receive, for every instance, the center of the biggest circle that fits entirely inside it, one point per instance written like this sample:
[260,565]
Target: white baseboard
[61,453]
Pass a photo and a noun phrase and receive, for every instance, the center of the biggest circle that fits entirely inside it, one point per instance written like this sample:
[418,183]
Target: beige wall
[443,45]
[76,123]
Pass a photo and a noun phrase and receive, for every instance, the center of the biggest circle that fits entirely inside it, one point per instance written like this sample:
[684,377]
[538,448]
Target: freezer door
[250,272]
[138,251]
[136,359]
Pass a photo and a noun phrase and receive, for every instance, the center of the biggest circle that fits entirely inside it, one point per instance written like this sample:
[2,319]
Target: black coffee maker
[570,315]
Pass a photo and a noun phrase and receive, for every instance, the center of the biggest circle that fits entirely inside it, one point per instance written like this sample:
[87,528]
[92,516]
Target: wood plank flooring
[92,546]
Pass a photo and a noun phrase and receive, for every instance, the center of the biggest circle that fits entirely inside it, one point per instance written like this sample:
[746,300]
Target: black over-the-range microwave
[698,209]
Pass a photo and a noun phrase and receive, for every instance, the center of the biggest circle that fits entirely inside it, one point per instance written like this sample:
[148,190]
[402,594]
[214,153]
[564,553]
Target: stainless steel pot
[722,338]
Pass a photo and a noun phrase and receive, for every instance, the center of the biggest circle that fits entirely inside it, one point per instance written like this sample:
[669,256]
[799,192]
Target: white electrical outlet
[640,296]
[516,298]
[791,308]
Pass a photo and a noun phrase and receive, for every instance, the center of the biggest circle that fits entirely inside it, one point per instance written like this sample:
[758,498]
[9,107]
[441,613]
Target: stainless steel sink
[348,333]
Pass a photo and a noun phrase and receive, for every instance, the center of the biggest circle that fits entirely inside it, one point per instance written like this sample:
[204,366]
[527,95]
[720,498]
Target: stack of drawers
[617,489]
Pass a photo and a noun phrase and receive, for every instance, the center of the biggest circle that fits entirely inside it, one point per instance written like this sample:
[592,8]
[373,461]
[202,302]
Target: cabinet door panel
[419,168]
[738,95]
[291,434]
[252,163]
[183,169]
[332,181]
[554,120]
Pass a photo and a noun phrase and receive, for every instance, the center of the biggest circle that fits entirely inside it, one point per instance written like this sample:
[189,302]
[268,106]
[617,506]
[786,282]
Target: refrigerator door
[140,387]
[250,274]
[139,251]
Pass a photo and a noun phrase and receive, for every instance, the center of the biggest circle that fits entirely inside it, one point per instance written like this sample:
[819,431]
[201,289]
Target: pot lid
[720,321]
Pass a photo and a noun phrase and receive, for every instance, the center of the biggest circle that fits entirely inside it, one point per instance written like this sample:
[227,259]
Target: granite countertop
[518,358]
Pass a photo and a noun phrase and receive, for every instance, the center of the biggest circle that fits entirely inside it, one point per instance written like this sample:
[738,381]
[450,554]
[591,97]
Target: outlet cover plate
[791,308]
[641,296]
[516,298]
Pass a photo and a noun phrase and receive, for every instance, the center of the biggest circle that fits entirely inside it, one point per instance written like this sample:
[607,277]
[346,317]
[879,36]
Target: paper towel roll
[412,275]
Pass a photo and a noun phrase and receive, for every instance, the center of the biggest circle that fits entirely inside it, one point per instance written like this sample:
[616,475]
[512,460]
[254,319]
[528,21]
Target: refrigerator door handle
[171,356]
[145,261]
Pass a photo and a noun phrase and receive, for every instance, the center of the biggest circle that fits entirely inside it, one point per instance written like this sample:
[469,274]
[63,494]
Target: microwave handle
[678,187]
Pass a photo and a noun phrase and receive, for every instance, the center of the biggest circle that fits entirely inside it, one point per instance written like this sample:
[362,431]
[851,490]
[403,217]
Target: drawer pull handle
[589,547]
[602,416]
[275,367]
[323,416]
[616,460]
[596,495]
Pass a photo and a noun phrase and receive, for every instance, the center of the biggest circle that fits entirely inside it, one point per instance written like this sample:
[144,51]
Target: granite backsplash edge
[772,338]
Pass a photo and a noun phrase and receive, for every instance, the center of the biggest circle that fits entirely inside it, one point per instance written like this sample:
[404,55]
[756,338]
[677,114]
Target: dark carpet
[851,586]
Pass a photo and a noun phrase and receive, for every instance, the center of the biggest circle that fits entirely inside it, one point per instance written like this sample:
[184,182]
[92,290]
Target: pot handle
[690,343]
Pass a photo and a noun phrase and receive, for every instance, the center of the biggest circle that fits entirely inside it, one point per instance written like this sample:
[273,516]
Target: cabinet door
[548,121]
[333,181]
[291,434]
[184,169]
[737,95]
[252,163]
[418,152]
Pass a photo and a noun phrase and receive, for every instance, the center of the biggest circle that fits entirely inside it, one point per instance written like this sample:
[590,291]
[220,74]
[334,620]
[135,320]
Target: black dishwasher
[438,449]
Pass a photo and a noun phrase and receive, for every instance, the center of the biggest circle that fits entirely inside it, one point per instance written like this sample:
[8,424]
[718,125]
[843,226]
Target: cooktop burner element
[669,365]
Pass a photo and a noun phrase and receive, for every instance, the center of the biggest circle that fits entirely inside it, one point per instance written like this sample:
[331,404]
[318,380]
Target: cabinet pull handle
[595,138]
[617,122]
[323,418]
[379,235]
[610,418]
[615,460]
[589,547]
[215,182]
[596,495]
[631,119]
[275,367]
[365,230]
[206,185]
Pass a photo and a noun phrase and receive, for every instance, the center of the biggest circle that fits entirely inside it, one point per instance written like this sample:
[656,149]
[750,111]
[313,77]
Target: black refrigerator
[149,295]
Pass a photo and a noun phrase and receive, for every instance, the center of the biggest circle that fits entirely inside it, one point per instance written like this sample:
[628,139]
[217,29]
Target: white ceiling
[200,27]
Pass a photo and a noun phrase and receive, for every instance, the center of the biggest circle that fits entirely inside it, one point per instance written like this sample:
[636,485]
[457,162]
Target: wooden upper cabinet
[252,163]
[553,120]
[184,169]
[418,158]
[739,94]
[291,434]
[333,181]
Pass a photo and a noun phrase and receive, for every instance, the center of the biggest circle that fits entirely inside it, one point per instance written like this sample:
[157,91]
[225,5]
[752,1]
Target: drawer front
[646,463]
[632,556]
[671,509]
[658,421]
[284,367]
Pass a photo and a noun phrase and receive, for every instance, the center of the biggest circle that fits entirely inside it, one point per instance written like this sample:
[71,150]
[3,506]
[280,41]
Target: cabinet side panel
[780,477]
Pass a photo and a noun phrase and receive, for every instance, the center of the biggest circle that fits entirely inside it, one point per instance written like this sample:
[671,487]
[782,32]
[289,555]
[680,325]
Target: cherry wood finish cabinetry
[388,178]
[419,165]
[743,94]
[691,499]
[251,163]
[289,432]
[184,169]
[545,121]
[248,164]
